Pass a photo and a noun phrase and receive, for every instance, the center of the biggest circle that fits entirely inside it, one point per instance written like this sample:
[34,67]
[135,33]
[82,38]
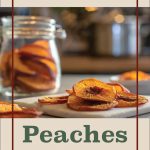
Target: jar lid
[32,26]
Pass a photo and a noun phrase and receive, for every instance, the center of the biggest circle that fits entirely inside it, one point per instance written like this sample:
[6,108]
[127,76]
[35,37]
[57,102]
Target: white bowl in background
[144,85]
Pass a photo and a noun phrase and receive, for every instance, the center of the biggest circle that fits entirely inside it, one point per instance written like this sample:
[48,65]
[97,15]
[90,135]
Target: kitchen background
[100,43]
[99,40]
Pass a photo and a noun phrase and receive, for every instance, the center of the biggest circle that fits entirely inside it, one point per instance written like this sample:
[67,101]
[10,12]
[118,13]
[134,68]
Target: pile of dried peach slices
[94,95]
[34,67]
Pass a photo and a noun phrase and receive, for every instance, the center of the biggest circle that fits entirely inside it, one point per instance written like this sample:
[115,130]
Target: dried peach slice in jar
[129,100]
[34,51]
[46,66]
[79,104]
[4,63]
[42,43]
[19,66]
[50,64]
[34,84]
[5,71]
[94,90]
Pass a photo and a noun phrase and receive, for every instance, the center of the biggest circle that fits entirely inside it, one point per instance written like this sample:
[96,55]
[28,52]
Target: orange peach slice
[34,84]
[44,66]
[79,104]
[25,113]
[119,88]
[6,111]
[4,62]
[51,65]
[53,100]
[34,51]
[5,70]
[42,43]
[19,66]
[132,75]
[92,89]
[70,92]
[130,100]
[6,107]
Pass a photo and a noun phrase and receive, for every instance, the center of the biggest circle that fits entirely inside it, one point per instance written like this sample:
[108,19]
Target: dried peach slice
[42,43]
[34,84]
[131,75]
[6,82]
[123,103]
[50,64]
[94,90]
[53,100]
[118,87]
[20,66]
[7,107]
[5,70]
[4,63]
[126,96]
[17,112]
[79,104]
[129,100]
[70,92]
[4,102]
[25,113]
[34,51]
[47,67]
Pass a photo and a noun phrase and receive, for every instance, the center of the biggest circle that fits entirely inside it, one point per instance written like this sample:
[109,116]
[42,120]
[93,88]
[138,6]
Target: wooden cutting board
[62,110]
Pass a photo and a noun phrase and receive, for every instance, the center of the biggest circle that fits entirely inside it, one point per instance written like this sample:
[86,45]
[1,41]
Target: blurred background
[99,40]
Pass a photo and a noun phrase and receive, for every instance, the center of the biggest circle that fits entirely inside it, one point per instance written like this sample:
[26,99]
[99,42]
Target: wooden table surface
[85,64]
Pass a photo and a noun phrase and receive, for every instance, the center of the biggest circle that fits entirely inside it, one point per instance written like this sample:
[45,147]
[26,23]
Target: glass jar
[36,63]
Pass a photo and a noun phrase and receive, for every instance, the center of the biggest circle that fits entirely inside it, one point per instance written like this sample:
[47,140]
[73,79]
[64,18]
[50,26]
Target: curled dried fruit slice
[79,104]
[123,103]
[19,66]
[131,75]
[42,43]
[7,107]
[4,102]
[6,82]
[94,90]
[25,113]
[4,63]
[17,112]
[70,92]
[127,96]
[46,66]
[119,88]
[35,84]
[32,50]
[53,100]
[129,100]
[49,64]
[5,70]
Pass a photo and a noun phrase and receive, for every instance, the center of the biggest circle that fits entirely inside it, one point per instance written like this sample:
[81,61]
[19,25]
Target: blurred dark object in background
[104,31]
[18,11]
[145,33]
